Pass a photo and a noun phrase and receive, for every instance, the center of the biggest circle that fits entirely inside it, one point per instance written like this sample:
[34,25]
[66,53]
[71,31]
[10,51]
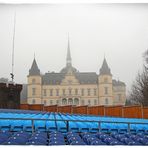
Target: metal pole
[99,126]
[67,125]
[128,127]
[32,121]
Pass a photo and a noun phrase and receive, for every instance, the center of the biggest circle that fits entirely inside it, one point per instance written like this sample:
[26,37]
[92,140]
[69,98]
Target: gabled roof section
[56,78]
[118,83]
[34,69]
[105,70]
[52,78]
[87,77]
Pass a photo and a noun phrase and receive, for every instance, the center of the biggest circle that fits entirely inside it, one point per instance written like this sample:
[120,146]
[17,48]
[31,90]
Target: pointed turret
[105,70]
[34,69]
[68,59]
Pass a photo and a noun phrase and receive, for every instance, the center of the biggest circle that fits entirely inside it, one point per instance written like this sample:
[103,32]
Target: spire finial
[68,53]
[34,55]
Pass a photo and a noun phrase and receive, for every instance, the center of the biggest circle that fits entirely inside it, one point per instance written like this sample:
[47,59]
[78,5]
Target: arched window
[64,101]
[106,100]
[33,101]
[70,101]
[76,101]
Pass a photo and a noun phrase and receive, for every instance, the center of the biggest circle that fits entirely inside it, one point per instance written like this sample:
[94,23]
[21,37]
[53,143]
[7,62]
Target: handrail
[67,122]
[72,120]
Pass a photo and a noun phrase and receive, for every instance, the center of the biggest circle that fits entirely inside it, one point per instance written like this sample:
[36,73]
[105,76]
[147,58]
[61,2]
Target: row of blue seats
[71,138]
[16,125]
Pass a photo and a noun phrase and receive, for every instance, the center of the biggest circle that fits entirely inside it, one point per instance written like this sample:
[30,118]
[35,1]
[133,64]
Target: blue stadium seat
[98,142]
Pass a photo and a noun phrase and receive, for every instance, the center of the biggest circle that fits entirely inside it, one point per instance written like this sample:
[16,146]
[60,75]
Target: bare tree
[139,90]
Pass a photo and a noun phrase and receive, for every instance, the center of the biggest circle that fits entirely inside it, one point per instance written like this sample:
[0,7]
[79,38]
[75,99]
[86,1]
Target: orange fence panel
[79,109]
[93,110]
[38,107]
[24,106]
[132,112]
[65,109]
[101,110]
[145,112]
[52,108]
[115,111]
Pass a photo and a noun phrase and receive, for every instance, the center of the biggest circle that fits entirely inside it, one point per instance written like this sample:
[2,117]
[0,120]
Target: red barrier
[65,109]
[132,111]
[79,109]
[52,108]
[24,106]
[145,112]
[115,111]
[36,107]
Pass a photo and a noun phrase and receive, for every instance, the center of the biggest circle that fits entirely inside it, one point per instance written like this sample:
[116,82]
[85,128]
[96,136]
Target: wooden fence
[115,111]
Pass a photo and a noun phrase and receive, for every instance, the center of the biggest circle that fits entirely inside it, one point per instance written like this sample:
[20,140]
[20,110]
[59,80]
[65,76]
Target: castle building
[71,87]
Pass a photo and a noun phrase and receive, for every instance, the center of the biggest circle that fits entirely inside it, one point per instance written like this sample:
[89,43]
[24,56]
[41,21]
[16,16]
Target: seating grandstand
[24,127]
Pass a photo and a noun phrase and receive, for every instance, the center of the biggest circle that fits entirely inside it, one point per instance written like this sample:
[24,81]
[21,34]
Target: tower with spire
[105,85]
[34,84]
[71,87]
[68,59]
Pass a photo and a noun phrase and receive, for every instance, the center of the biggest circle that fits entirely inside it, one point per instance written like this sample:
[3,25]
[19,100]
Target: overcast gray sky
[120,31]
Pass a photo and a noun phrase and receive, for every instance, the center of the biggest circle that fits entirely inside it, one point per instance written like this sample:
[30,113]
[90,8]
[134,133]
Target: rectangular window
[69,91]
[44,92]
[57,92]
[33,101]
[95,102]
[106,101]
[82,102]
[33,91]
[106,90]
[50,102]
[57,102]
[51,92]
[63,91]
[76,91]
[88,91]
[119,97]
[95,92]
[82,92]
[89,102]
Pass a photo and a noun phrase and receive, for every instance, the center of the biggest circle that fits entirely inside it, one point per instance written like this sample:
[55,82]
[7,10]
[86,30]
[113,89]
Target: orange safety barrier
[79,109]
[24,106]
[115,111]
[145,112]
[65,109]
[132,112]
[52,108]
[36,107]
